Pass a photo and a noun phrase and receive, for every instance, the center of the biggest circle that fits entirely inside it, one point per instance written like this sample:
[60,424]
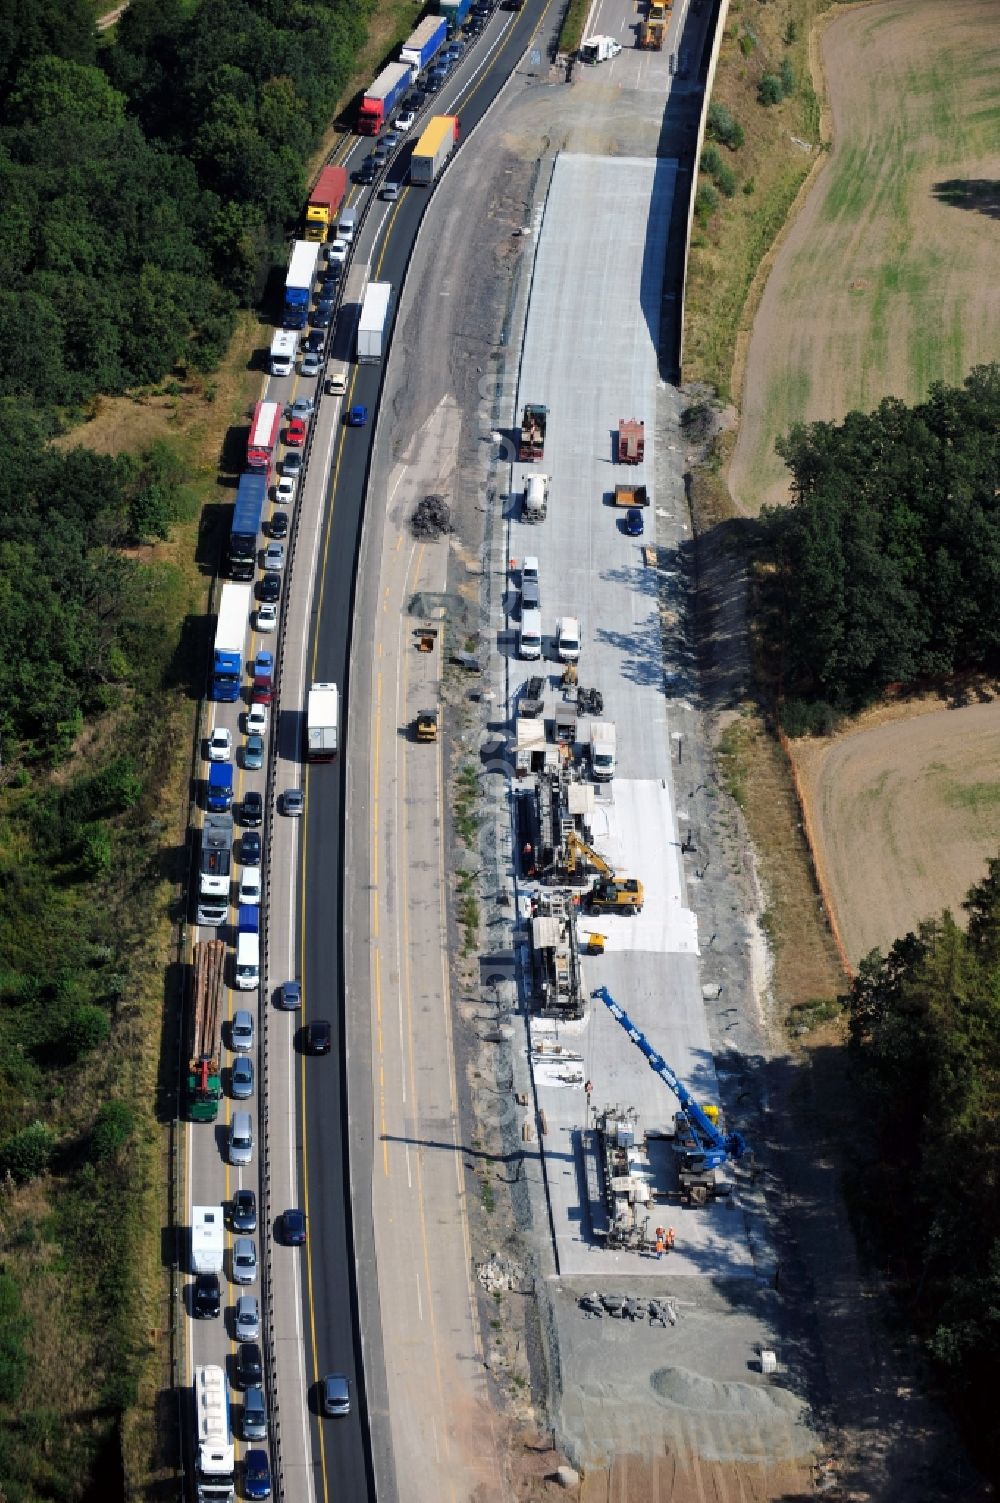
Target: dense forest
[887,564]
[925,1034]
[150,178]
[148,183]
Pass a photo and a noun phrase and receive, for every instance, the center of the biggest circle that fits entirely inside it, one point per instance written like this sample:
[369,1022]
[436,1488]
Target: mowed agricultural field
[905,812]
[887,280]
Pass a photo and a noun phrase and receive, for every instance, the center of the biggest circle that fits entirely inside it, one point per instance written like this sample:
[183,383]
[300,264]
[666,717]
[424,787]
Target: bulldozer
[425,727]
[612,892]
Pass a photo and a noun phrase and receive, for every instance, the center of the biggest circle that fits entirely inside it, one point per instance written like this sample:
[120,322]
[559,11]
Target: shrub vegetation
[888,560]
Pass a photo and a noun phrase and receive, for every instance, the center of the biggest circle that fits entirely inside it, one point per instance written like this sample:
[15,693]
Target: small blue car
[256,1475]
[633,522]
[357,417]
[293,1228]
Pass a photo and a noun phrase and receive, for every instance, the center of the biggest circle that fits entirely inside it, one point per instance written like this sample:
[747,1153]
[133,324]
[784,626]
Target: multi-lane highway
[301,1103]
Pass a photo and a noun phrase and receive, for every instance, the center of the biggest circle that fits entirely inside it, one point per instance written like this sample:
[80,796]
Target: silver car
[244,1261]
[336,1394]
[247,1320]
[242,1033]
[274,557]
[254,1415]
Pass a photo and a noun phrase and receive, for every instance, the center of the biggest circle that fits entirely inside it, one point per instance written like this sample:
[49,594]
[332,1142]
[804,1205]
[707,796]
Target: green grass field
[886,280]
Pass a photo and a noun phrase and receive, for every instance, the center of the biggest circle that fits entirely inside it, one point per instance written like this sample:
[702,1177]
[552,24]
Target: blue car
[633,522]
[357,417]
[293,1228]
[256,1475]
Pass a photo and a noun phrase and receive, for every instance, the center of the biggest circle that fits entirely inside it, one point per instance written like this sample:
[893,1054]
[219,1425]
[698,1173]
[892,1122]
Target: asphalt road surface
[331,1298]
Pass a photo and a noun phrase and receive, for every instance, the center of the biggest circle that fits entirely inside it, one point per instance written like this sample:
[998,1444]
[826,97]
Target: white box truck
[603,748]
[208,1239]
[372,323]
[284,347]
[322,723]
[599,49]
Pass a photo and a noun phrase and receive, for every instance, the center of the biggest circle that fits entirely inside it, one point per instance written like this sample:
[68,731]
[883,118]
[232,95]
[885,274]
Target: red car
[295,433]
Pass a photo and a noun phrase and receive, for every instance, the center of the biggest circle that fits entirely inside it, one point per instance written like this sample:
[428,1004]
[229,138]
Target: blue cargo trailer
[425,43]
[454,12]
[248,510]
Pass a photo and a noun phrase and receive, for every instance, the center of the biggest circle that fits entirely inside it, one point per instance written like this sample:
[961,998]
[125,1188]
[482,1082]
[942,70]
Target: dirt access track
[904,813]
[886,279]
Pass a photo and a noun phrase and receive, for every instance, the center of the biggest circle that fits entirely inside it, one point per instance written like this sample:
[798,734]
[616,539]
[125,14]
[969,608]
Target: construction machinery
[204,1081]
[532,441]
[703,1149]
[631,441]
[620,1179]
[531,702]
[425,727]
[555,956]
[558,806]
[612,892]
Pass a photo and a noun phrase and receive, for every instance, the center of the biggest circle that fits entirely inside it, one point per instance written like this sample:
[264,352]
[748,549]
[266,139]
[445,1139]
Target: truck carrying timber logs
[631,441]
[532,441]
[204,1079]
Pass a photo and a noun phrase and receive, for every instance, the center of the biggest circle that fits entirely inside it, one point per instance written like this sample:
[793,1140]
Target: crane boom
[713,1147]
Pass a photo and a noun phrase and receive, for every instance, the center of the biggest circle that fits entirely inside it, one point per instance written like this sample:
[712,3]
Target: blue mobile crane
[702,1147]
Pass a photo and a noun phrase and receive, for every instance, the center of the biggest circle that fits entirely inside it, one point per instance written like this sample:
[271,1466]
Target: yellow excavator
[611,893]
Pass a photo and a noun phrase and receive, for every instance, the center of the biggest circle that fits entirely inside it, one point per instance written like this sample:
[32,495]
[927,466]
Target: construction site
[647,1172]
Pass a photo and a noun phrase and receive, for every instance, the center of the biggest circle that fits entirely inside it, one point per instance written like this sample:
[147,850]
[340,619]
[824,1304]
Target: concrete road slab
[590,355]
[637,833]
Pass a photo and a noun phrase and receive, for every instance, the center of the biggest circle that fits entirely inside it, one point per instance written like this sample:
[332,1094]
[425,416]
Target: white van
[346,224]
[568,639]
[284,346]
[530,643]
[247,961]
[241,1139]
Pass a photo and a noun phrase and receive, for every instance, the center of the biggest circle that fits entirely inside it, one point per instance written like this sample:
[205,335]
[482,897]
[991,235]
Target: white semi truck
[372,323]
[215,1467]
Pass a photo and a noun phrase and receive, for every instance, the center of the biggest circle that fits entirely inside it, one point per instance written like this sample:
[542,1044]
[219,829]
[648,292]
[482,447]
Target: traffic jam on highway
[223,1036]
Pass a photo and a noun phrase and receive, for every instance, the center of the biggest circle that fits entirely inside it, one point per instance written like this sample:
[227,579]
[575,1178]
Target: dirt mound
[688,1390]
